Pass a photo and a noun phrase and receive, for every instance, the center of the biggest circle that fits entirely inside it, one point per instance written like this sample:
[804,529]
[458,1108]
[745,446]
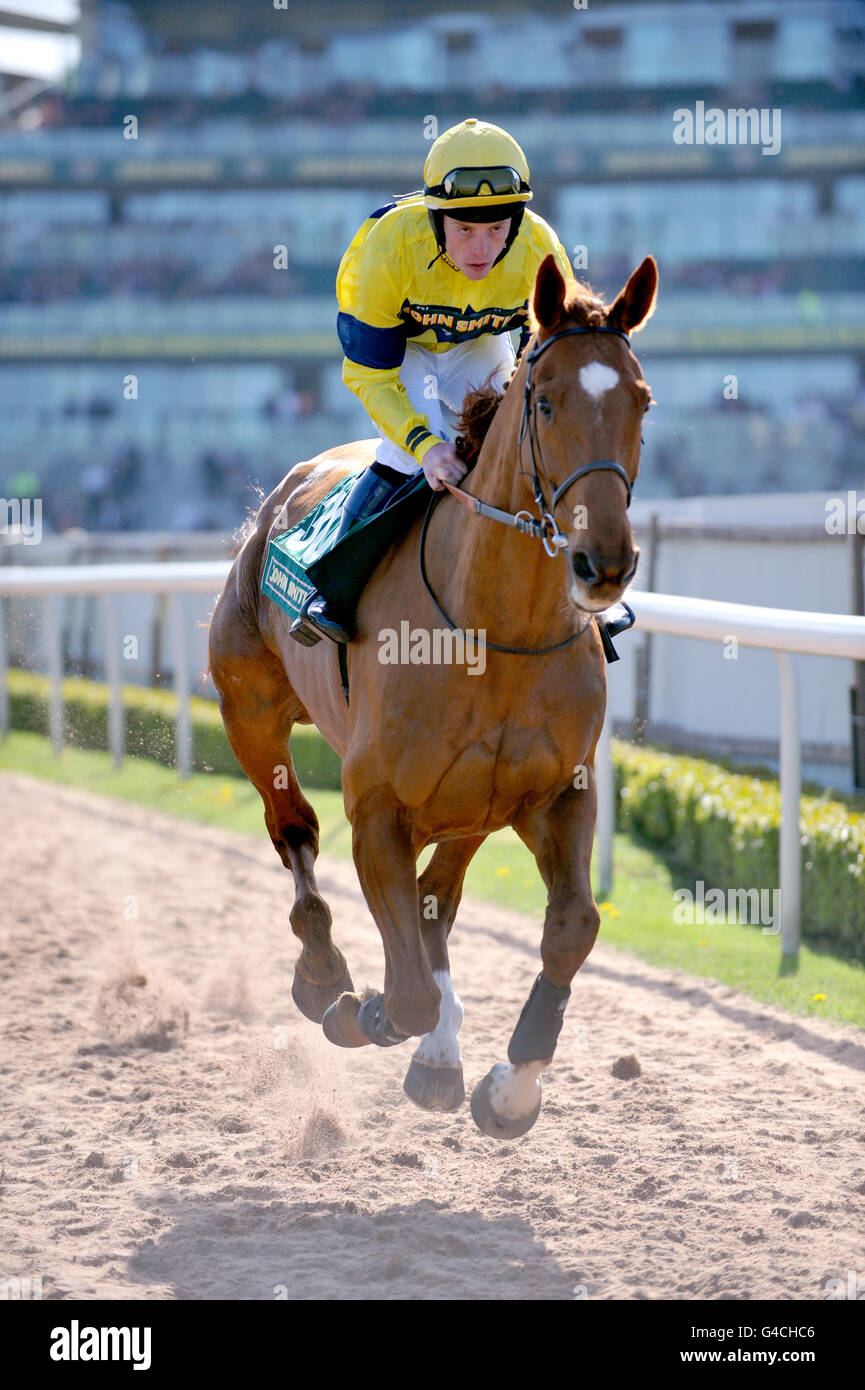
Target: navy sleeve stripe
[368,346]
[417,436]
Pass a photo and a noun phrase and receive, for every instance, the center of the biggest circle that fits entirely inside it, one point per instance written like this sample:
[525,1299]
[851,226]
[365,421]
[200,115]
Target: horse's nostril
[595,569]
[583,567]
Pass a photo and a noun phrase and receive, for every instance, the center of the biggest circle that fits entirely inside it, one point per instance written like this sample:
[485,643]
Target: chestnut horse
[438,753]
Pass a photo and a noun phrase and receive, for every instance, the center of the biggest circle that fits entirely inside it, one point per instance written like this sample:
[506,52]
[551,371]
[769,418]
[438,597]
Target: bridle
[545,530]
[528,426]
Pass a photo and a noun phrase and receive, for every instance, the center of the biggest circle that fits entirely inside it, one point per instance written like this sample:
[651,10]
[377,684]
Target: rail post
[605,823]
[54,663]
[790,846]
[116,721]
[183,728]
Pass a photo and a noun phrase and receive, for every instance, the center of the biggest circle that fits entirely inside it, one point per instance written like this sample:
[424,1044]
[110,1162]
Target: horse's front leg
[384,855]
[507,1101]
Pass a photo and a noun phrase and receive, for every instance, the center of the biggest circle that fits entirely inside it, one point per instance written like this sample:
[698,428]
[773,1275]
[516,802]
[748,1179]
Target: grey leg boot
[368,496]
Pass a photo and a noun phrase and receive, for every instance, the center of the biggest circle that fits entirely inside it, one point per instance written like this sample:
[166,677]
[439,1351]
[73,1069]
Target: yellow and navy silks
[389,294]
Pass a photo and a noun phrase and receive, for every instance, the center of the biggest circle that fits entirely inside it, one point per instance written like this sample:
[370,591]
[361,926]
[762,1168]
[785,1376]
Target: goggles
[467,183]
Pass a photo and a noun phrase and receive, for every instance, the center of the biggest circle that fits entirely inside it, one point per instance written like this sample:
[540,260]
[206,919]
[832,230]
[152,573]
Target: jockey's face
[474,246]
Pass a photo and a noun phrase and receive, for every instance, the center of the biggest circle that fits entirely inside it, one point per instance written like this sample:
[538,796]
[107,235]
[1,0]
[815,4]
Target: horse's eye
[545,407]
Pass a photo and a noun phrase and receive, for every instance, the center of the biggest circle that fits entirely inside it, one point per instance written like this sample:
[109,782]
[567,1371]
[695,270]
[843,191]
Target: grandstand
[155,362]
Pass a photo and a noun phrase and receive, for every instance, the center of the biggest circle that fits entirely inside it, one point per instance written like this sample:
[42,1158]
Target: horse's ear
[636,303]
[549,294]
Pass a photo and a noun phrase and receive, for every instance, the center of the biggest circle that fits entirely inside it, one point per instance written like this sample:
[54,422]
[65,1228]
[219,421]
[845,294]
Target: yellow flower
[502,872]
[817,998]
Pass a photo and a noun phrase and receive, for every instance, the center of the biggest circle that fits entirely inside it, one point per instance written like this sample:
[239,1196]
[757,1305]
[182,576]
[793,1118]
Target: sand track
[170,1127]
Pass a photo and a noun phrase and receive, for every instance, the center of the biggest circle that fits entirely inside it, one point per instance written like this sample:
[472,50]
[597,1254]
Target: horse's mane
[582,307]
[478,410]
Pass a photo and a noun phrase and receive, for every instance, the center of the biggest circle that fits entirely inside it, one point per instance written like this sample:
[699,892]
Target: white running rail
[171,578]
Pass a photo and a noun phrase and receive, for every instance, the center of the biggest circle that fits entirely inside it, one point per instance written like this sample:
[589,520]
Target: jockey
[428,292]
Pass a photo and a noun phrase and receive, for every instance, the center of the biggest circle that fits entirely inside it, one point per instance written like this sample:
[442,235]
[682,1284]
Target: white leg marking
[596,378]
[514,1090]
[441,1047]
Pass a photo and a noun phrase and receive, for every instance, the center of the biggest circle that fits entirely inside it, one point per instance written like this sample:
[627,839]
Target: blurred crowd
[99,470]
[51,279]
[120,489]
[172,277]
[121,493]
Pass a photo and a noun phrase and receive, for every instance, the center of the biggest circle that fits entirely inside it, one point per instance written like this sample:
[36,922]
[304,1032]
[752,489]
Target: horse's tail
[248,544]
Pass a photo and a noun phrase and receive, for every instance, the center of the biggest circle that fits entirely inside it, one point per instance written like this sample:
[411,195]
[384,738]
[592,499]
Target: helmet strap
[438,226]
[516,219]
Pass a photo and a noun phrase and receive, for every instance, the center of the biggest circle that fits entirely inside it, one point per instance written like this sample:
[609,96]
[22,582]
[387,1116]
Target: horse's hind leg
[258,708]
[434,1080]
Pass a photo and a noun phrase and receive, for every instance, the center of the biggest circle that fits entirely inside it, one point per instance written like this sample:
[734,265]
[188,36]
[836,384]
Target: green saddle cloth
[301,560]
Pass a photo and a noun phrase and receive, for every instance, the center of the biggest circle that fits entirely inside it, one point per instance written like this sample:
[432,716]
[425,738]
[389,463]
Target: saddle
[302,558]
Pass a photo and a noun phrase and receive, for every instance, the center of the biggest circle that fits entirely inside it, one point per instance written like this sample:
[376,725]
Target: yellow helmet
[475,164]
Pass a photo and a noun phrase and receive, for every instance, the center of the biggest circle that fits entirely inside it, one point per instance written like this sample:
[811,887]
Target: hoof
[340,1025]
[434,1087]
[313,999]
[493,1122]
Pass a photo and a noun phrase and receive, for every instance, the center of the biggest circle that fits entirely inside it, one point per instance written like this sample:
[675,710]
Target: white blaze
[596,378]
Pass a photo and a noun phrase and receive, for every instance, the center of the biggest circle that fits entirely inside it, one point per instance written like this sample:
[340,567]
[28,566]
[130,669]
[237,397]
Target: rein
[545,529]
[479,641]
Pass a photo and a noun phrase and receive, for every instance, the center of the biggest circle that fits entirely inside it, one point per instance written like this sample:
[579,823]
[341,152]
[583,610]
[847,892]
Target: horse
[437,754]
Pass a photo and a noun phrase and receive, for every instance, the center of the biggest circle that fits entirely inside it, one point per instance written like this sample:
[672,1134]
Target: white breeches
[437,383]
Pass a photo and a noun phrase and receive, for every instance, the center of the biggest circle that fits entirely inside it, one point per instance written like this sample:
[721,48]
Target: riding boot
[369,495]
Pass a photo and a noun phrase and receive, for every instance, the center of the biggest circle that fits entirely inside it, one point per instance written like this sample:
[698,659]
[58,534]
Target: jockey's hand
[441,465]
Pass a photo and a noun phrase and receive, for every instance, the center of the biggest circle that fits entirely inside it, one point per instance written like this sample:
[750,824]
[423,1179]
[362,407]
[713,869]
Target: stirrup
[304,632]
[315,616]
